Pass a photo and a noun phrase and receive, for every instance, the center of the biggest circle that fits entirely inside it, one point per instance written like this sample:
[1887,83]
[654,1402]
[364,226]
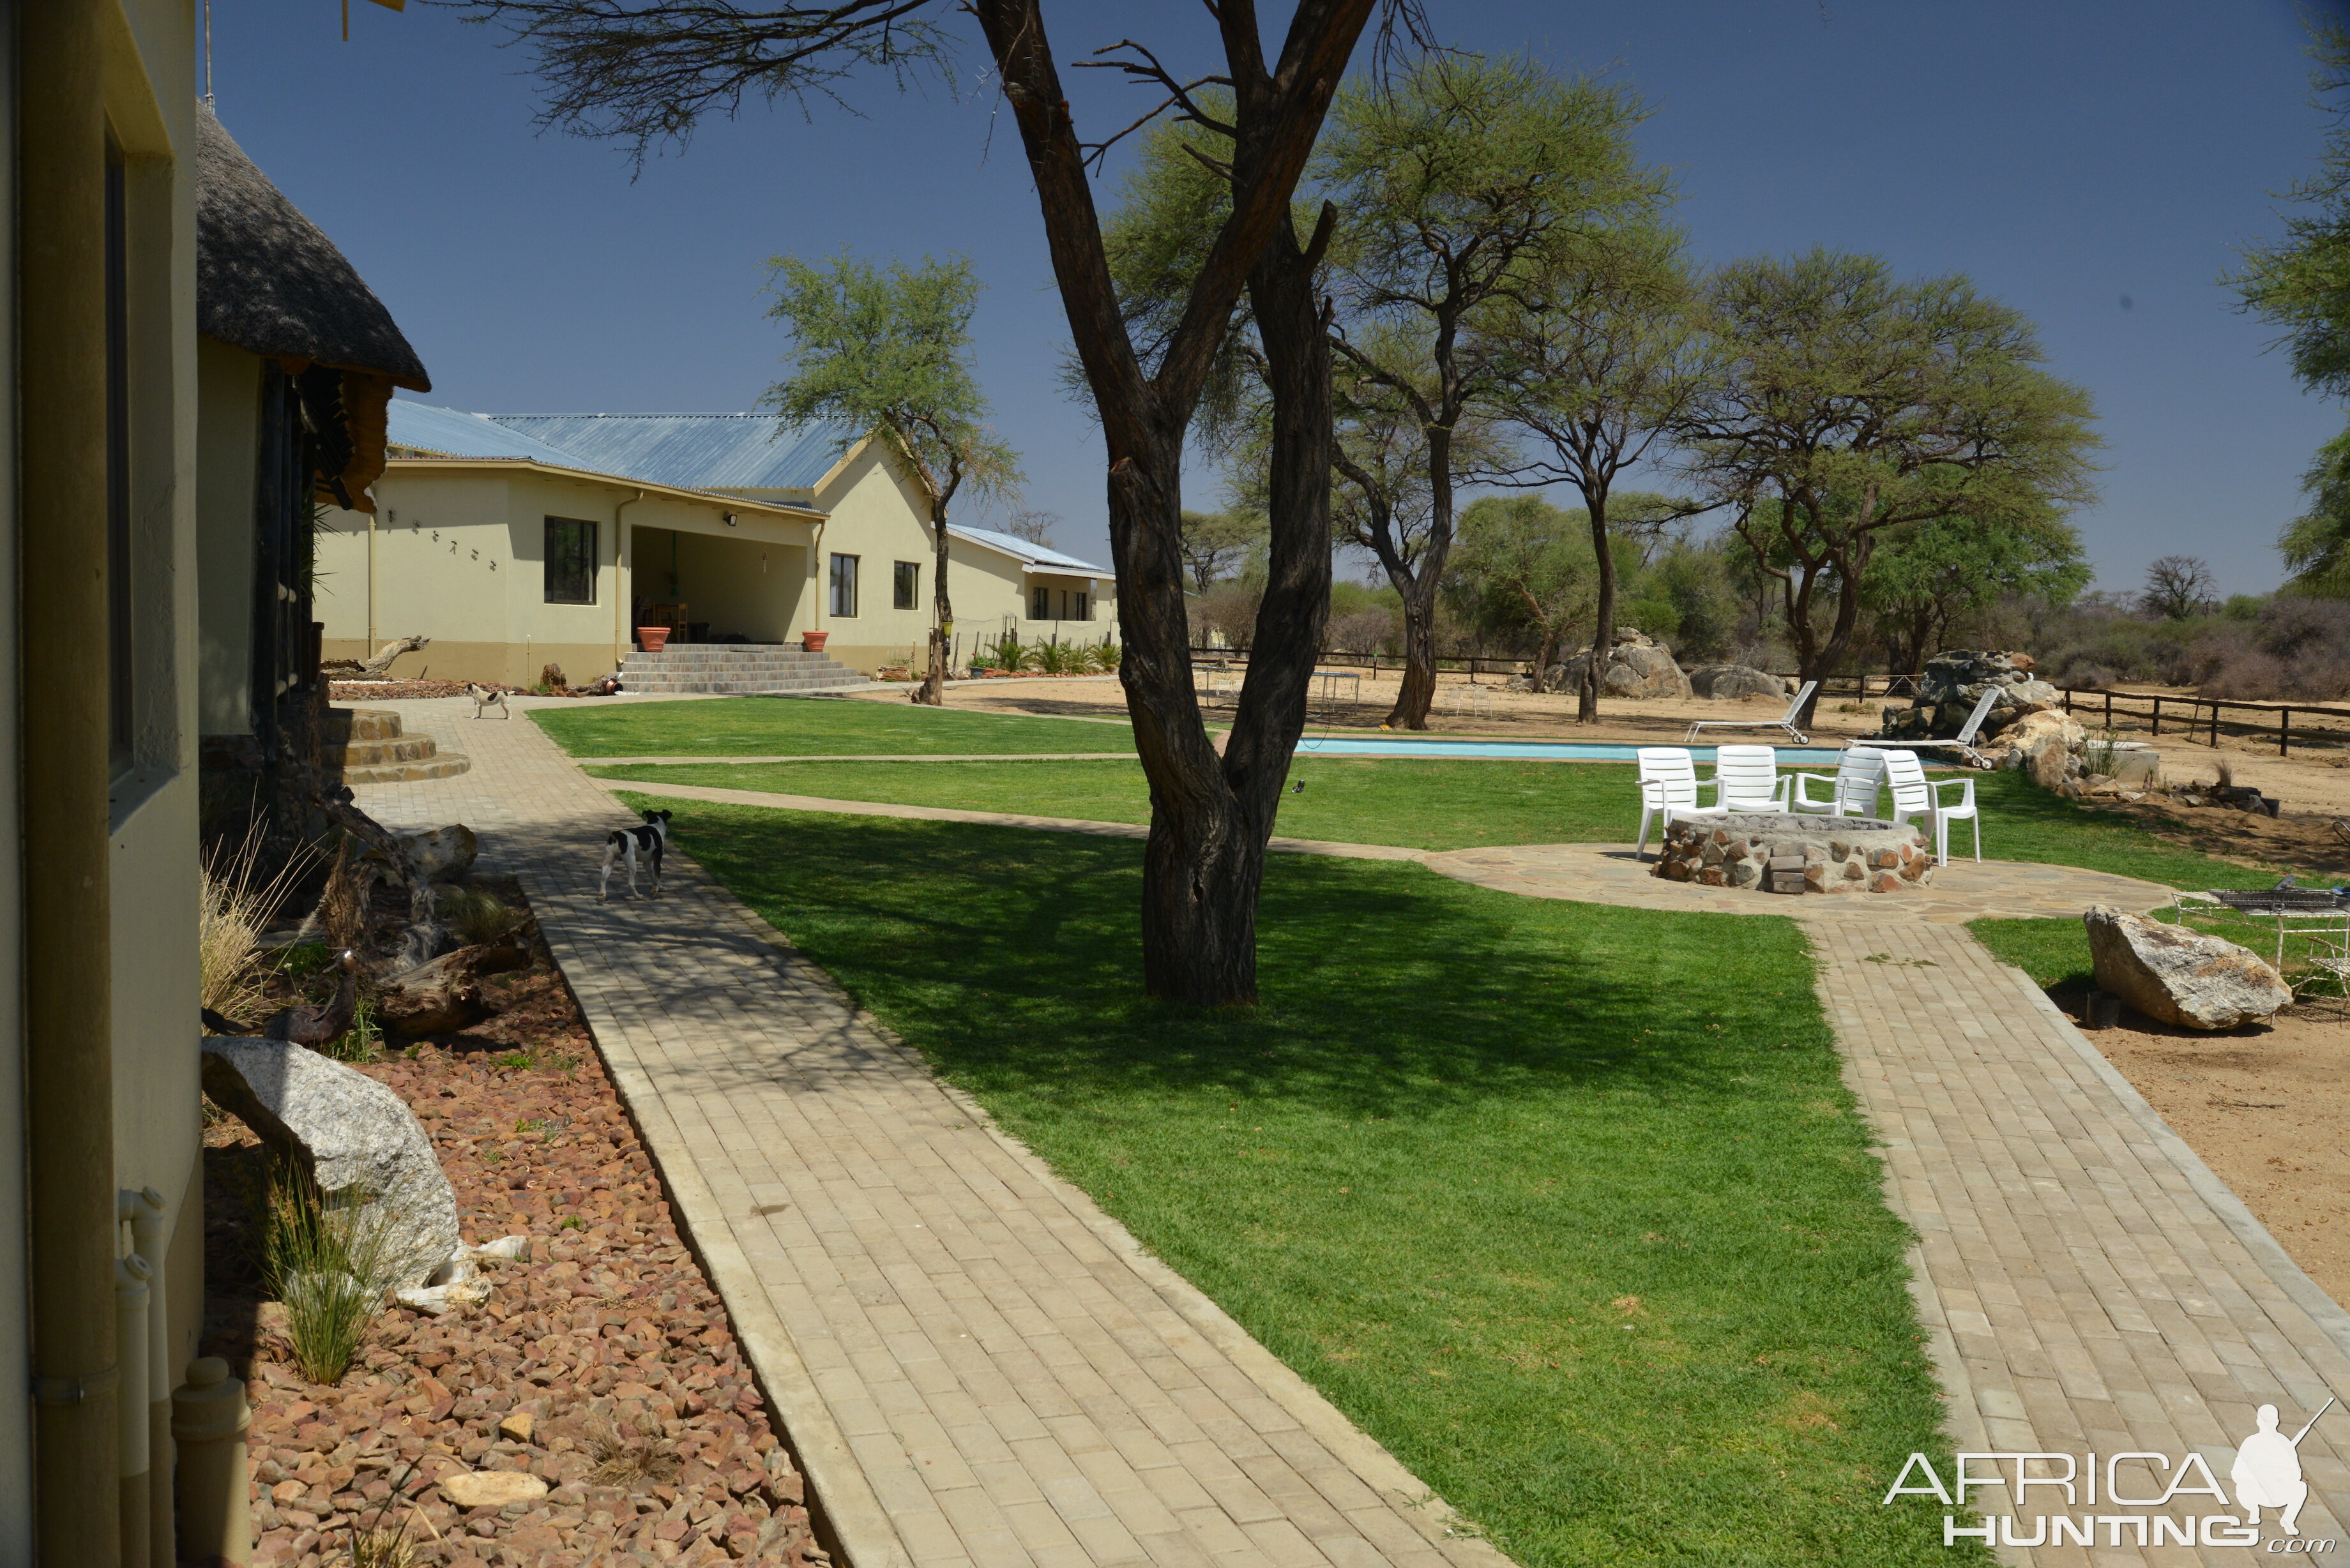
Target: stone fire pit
[1775,853]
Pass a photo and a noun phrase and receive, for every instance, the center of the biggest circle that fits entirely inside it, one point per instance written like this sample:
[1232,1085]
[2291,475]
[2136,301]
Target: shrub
[326,1266]
[476,913]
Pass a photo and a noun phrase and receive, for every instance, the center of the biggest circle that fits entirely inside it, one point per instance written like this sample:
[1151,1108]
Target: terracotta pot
[652,638]
[812,641]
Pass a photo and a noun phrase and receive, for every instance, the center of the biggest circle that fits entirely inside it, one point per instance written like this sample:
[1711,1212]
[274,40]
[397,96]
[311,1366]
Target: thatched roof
[270,283]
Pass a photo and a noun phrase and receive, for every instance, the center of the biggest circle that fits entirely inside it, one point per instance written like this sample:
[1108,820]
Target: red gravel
[646,1424]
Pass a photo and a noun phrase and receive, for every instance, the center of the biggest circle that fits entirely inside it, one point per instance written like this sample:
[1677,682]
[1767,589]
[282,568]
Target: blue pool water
[1539,751]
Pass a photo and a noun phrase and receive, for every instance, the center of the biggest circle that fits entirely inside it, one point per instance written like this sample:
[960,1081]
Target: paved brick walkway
[2086,1284]
[975,1365]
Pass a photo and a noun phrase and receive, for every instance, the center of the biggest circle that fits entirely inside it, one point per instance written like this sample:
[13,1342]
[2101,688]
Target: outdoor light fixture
[730,519]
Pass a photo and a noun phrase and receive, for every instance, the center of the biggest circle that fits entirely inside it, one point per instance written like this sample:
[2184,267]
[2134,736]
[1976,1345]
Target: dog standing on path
[487,697]
[644,843]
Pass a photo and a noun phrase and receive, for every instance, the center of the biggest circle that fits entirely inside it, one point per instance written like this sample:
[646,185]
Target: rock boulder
[1639,666]
[1727,682]
[1953,683]
[358,1139]
[2181,977]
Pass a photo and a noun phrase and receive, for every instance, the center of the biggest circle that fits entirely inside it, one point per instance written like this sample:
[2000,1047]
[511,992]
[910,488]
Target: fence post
[2157,715]
[2068,699]
[2215,723]
[2109,710]
[2284,731]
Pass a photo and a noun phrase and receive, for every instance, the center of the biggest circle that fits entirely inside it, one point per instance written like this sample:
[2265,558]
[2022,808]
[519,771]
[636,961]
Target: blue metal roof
[451,433]
[693,452]
[1041,556]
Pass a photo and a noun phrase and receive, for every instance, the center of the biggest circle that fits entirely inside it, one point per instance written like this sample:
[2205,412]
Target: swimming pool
[1532,750]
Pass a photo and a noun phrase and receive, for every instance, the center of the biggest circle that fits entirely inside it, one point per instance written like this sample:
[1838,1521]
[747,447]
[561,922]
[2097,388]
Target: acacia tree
[1457,184]
[1522,568]
[1849,403]
[889,351]
[1216,543]
[1928,577]
[1603,353]
[646,70]
[2178,587]
[2300,283]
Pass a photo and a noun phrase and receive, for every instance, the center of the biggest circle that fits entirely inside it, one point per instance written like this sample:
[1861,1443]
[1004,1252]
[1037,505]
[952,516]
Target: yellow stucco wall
[458,555]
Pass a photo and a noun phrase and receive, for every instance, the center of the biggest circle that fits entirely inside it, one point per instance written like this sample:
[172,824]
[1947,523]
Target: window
[121,650]
[1081,606]
[1040,603]
[905,584]
[844,586]
[570,560]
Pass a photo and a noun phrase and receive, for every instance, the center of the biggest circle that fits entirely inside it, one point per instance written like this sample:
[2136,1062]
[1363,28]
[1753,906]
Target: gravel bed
[605,1365]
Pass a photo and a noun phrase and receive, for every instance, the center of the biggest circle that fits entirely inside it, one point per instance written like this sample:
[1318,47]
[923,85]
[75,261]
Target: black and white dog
[635,843]
[487,698]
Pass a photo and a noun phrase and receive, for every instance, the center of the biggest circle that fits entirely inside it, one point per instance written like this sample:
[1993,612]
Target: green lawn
[2054,952]
[1440,805]
[1431,805]
[811,727]
[1565,1204]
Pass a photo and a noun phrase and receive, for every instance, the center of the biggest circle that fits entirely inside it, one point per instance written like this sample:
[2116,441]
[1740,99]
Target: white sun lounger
[1784,722]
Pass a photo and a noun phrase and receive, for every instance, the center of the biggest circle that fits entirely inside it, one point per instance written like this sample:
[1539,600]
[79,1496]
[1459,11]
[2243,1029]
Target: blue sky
[2070,158]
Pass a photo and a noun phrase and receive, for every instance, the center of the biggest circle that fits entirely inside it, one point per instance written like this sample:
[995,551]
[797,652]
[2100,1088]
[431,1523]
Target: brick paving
[973,1363]
[2086,1284]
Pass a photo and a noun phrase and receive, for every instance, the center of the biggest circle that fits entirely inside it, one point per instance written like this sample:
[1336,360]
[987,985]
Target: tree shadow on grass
[1011,956]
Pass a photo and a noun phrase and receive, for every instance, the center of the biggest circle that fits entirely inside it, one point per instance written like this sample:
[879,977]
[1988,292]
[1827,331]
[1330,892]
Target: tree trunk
[1419,693]
[1603,633]
[933,688]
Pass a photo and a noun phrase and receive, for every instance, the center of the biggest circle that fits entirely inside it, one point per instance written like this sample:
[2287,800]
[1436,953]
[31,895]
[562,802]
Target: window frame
[905,584]
[1040,602]
[121,628]
[842,581]
[571,563]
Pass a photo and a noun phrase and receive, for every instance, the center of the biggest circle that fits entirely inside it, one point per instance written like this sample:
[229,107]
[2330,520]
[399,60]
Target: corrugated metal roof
[1038,556]
[696,451]
[452,434]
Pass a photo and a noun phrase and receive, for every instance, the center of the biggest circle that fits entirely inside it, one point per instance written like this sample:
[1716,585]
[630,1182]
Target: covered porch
[750,583]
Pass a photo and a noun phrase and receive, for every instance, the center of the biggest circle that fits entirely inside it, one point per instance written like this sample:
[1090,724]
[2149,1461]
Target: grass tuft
[326,1265]
[238,901]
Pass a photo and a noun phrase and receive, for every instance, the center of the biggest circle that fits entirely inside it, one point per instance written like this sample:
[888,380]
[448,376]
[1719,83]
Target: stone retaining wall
[1775,854]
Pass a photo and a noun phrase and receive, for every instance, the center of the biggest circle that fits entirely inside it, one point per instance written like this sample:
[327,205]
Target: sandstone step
[365,745]
[445,765]
[736,669]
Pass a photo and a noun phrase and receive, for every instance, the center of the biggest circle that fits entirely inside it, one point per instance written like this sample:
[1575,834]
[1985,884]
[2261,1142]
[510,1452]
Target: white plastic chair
[1860,774]
[1915,794]
[1784,722]
[1750,779]
[1668,786]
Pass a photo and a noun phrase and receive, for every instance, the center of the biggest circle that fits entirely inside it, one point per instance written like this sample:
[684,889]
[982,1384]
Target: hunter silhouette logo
[2265,1474]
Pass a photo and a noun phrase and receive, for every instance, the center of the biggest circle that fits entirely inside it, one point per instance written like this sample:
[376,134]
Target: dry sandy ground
[2265,1106]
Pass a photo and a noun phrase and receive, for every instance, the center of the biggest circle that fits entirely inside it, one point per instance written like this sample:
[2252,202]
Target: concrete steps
[366,746]
[735,669]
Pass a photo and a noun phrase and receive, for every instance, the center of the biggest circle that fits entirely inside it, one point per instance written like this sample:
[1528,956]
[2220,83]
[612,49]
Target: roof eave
[414,457]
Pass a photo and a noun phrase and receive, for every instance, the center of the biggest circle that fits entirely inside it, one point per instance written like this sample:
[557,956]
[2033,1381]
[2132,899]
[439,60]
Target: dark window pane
[844,586]
[120,695]
[1040,603]
[570,560]
[905,585]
